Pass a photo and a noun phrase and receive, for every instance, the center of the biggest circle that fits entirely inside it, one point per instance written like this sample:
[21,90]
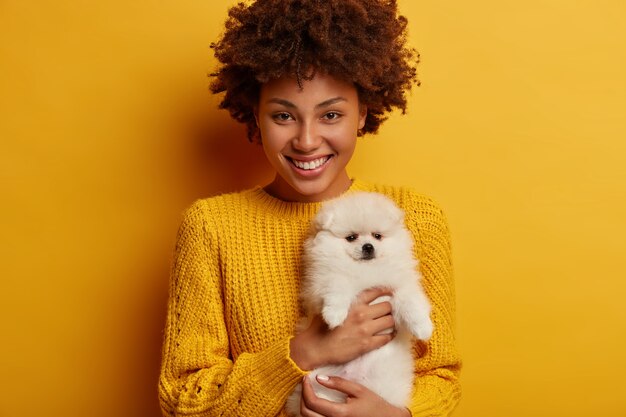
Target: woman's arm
[437,388]
[198,375]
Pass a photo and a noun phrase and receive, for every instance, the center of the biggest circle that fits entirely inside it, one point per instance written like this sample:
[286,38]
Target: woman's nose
[307,138]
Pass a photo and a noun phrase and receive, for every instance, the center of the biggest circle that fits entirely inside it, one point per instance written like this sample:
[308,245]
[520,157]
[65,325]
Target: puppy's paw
[334,316]
[422,329]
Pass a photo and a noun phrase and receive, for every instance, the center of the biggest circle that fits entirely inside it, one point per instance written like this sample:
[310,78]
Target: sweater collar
[295,209]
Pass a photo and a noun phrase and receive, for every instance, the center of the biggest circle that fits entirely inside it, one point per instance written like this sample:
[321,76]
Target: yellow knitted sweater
[233,306]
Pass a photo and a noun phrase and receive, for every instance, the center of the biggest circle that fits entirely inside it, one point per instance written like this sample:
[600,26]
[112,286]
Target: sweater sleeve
[437,388]
[198,374]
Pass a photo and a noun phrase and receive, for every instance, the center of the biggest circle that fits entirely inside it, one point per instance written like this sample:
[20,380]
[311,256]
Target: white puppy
[359,241]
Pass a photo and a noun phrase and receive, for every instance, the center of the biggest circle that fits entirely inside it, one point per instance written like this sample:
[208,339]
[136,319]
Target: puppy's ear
[393,214]
[323,220]
[397,214]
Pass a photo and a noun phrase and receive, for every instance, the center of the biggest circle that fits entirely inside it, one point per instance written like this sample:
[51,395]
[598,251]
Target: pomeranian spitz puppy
[359,241]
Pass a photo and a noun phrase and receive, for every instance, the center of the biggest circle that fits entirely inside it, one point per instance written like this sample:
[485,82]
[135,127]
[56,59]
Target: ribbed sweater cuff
[437,399]
[275,373]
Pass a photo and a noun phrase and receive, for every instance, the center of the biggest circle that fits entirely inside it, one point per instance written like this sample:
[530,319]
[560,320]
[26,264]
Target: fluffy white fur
[338,268]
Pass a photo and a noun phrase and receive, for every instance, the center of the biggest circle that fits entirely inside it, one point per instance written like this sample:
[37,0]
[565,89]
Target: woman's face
[309,135]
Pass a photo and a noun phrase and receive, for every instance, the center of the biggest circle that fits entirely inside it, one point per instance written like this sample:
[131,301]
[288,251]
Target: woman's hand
[362,331]
[361,402]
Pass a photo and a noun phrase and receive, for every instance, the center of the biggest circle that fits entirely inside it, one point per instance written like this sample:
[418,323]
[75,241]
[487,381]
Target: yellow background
[108,131]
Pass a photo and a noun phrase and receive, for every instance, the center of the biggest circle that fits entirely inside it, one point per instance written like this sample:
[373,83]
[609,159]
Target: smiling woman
[307,78]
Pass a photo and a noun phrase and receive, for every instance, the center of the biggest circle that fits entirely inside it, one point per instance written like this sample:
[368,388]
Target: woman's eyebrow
[284,102]
[290,105]
[330,102]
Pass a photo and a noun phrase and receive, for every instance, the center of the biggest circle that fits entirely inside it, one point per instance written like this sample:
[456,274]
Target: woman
[307,77]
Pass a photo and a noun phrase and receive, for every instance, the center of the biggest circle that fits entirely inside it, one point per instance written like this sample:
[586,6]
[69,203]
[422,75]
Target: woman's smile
[309,166]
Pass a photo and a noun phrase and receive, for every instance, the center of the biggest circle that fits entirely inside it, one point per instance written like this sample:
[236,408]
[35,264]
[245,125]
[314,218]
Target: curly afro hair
[358,41]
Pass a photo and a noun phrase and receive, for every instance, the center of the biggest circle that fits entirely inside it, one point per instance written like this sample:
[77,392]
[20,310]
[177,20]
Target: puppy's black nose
[368,251]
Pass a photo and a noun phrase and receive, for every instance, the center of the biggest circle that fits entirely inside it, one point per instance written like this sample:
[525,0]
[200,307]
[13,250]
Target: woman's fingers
[310,404]
[378,310]
[369,295]
[384,325]
[350,388]
[378,316]
[361,401]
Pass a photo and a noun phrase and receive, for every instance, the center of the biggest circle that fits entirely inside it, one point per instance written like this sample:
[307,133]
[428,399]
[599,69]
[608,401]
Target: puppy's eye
[377,236]
[352,238]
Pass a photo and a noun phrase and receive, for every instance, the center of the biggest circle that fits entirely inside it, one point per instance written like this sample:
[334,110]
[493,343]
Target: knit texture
[233,306]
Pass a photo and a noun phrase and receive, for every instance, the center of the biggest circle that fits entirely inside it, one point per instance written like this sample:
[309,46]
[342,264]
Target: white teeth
[311,164]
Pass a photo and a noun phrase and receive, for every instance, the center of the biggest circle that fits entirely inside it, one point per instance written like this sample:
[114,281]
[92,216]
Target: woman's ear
[362,115]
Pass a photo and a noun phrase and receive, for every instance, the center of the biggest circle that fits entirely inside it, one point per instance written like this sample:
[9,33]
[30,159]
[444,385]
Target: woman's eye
[352,238]
[332,115]
[377,236]
[282,117]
